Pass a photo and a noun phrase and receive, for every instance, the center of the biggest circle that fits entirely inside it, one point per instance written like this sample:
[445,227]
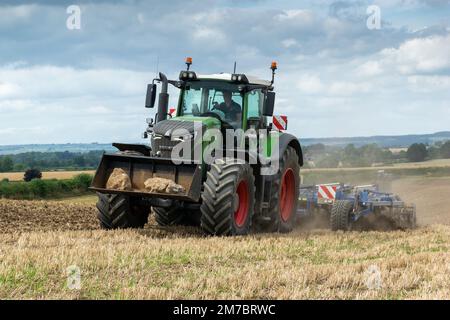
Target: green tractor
[245,182]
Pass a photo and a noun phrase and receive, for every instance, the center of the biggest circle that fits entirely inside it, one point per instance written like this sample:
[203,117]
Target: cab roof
[227,77]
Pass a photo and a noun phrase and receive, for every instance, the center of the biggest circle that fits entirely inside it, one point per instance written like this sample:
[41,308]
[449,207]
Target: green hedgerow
[42,189]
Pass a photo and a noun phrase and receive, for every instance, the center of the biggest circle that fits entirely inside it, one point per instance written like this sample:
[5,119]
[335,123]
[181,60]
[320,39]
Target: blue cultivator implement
[348,206]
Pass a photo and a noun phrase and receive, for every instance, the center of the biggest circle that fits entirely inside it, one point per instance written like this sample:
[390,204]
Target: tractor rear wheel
[176,215]
[340,215]
[116,211]
[228,198]
[285,191]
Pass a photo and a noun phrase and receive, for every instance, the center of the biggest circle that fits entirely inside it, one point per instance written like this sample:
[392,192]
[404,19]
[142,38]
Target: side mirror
[269,103]
[151,96]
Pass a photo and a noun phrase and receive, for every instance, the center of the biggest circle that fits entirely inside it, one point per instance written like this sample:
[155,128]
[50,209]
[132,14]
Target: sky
[338,74]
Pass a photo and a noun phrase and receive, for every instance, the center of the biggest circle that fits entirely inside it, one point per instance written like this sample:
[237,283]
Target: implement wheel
[116,211]
[340,215]
[228,198]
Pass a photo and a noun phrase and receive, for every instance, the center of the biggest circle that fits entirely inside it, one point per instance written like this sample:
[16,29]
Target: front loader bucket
[140,168]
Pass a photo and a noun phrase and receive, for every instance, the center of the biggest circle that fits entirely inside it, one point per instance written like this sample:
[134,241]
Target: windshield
[213,99]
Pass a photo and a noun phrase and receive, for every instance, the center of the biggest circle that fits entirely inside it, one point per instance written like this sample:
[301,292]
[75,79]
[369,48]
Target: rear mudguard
[288,140]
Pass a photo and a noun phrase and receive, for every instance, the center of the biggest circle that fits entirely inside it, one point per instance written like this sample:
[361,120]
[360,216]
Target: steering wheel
[215,105]
[212,114]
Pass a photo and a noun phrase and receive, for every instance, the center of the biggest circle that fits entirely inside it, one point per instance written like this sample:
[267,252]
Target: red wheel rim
[287,194]
[240,214]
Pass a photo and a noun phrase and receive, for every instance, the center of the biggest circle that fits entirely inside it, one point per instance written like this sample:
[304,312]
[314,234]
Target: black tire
[284,222]
[223,211]
[340,215]
[116,211]
[176,216]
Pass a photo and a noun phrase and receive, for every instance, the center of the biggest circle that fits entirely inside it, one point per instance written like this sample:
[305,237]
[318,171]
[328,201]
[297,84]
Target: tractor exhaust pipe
[163,102]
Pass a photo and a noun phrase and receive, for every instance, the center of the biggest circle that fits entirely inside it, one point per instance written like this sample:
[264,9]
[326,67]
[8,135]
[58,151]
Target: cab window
[255,100]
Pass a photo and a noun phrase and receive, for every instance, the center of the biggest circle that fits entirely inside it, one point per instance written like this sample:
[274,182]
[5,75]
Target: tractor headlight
[187,75]
[242,78]
[183,138]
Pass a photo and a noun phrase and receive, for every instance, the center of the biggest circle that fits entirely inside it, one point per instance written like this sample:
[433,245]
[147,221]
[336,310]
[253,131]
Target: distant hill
[382,141]
[72,147]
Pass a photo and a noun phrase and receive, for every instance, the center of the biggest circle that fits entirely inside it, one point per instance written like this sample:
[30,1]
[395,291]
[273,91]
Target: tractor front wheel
[340,218]
[116,211]
[176,215]
[228,198]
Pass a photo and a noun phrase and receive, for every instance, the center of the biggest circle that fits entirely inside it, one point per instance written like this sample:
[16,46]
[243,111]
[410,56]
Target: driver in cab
[230,108]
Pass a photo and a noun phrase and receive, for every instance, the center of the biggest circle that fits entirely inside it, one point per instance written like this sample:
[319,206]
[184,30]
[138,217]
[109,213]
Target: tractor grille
[163,145]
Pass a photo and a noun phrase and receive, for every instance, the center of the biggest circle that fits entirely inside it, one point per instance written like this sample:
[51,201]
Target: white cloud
[140,18]
[11,14]
[304,16]
[61,82]
[420,55]
[429,83]
[98,110]
[14,105]
[369,69]
[309,84]
[312,84]
[287,43]
[24,131]
[8,89]
[348,88]
[81,105]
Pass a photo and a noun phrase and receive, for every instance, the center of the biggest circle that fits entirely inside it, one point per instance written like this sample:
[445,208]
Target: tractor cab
[232,99]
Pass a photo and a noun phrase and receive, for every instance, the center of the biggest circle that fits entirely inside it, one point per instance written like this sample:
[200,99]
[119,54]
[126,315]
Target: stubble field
[39,240]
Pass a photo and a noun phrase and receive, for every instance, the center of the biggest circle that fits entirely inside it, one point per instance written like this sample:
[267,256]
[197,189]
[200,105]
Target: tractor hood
[165,128]
[209,122]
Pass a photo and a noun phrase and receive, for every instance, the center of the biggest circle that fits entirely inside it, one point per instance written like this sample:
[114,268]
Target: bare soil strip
[24,216]
[430,195]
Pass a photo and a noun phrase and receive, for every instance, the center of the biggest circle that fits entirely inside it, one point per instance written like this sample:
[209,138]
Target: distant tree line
[420,152]
[42,189]
[50,160]
[319,155]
